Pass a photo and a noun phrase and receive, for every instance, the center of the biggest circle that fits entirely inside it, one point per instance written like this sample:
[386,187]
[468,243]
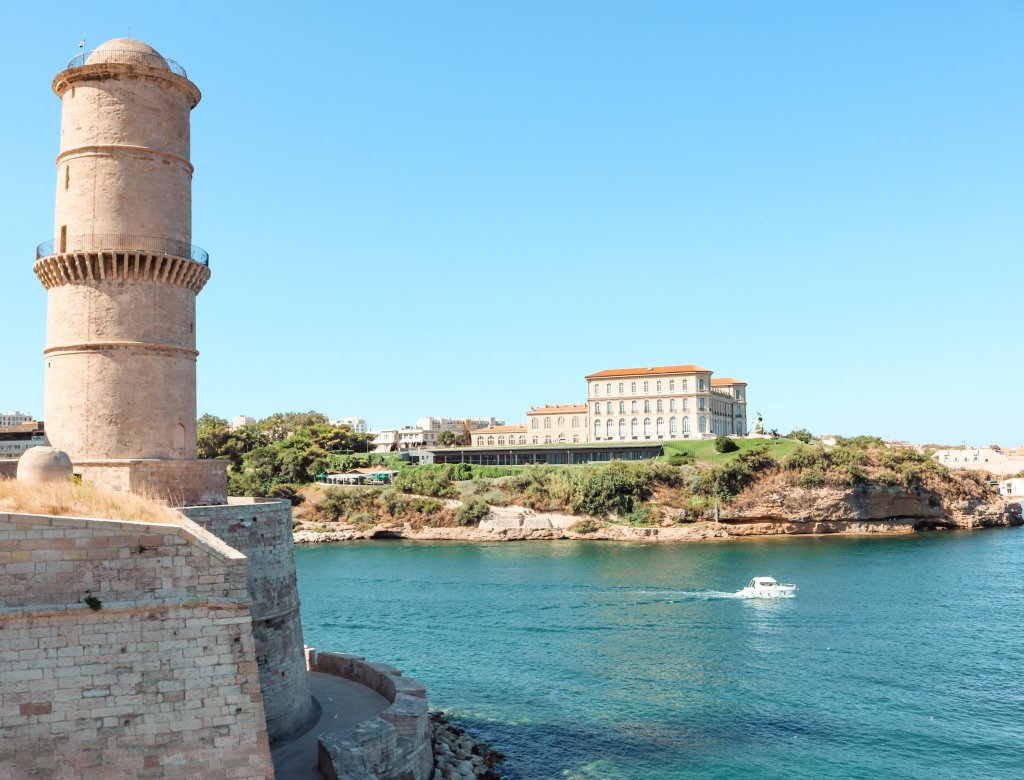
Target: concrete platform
[343,703]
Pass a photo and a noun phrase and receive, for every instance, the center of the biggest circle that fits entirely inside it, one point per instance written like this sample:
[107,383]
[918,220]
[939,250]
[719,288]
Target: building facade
[15,439]
[241,421]
[999,462]
[500,436]
[14,418]
[558,424]
[664,403]
[357,424]
[456,424]
[398,439]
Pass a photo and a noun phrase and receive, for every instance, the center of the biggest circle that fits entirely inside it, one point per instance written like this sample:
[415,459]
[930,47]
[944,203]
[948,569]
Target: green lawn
[704,451]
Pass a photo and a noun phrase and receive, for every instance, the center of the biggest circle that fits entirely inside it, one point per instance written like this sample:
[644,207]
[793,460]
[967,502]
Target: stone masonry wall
[126,650]
[262,530]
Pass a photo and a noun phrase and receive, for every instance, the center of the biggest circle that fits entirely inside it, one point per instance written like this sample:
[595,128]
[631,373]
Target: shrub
[801,434]
[803,458]
[725,444]
[811,478]
[584,527]
[679,459]
[472,512]
[426,481]
[286,490]
[641,515]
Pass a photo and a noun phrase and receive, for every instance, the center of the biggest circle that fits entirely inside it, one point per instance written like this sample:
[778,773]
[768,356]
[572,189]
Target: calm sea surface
[899,658]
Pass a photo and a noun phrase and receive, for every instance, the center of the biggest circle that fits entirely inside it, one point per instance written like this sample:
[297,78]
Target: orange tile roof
[556,409]
[499,429]
[727,381]
[691,369]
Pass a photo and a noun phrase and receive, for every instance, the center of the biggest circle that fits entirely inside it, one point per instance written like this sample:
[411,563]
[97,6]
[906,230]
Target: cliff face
[865,506]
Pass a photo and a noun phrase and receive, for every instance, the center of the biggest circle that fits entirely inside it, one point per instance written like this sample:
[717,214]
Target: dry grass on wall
[67,499]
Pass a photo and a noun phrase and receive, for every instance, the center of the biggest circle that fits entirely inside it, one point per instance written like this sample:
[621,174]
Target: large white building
[8,419]
[660,403]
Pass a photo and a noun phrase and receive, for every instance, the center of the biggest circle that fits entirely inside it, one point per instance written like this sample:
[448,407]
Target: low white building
[15,439]
[241,420]
[1012,487]
[397,439]
[981,459]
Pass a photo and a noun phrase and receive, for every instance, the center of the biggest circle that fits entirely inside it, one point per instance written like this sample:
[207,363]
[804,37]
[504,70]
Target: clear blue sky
[462,208]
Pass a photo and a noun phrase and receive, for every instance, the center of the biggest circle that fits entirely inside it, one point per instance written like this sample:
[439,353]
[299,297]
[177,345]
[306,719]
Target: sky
[463,208]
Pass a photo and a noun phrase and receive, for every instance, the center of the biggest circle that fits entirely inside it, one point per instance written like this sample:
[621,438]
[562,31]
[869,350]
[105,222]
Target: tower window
[67,176]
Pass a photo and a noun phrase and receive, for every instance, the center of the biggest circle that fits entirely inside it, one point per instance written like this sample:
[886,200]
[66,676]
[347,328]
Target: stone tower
[122,276]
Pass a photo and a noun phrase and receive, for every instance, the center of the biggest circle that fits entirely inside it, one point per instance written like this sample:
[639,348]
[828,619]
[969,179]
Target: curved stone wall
[261,529]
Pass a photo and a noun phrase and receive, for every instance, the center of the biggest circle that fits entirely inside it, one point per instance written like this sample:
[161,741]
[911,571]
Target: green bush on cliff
[426,481]
[725,444]
[472,512]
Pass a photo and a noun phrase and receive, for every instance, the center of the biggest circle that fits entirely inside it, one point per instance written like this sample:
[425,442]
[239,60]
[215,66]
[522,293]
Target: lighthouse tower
[122,276]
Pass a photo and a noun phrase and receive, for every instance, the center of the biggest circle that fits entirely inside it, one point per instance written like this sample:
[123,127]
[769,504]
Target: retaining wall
[394,746]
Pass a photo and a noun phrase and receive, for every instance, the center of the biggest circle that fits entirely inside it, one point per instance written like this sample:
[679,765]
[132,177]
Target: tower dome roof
[127,50]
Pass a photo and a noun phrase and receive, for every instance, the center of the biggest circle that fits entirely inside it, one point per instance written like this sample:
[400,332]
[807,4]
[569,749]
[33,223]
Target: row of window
[659,406]
[575,423]
[646,386]
[609,427]
[490,442]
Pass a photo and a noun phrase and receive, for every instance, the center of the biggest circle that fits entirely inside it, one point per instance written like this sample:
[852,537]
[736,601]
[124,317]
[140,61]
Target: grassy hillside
[703,452]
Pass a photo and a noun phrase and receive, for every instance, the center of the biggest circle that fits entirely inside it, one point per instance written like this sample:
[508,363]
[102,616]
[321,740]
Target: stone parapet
[179,482]
[126,650]
[394,746]
[262,530]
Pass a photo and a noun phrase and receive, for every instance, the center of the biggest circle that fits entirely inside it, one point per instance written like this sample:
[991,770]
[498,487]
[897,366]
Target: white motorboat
[767,588]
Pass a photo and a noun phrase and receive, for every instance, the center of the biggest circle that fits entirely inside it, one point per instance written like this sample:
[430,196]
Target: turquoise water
[899,658]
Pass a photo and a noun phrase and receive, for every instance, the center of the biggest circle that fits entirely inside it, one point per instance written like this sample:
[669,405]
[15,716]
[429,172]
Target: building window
[703,424]
[479,441]
[490,440]
[608,407]
[547,440]
[575,438]
[575,422]
[608,388]
[597,407]
[684,385]
[673,429]
[671,404]
[633,407]
[661,426]
[700,384]
[622,429]
[661,407]
[657,386]
[686,404]
[597,388]
[647,406]
[534,439]
[561,438]
[686,425]
[622,407]
[533,424]
[522,440]
[647,387]
[700,404]
[671,385]
[547,422]
[621,388]
[561,422]
[632,388]
[609,429]
[634,427]
[501,441]
[647,426]
[597,428]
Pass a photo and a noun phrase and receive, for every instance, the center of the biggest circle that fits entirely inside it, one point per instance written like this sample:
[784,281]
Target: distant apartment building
[635,404]
[665,402]
[456,424]
[15,439]
[7,419]
[982,459]
[357,424]
[240,421]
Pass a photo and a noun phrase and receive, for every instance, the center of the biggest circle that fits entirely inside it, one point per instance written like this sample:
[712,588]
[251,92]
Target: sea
[899,657]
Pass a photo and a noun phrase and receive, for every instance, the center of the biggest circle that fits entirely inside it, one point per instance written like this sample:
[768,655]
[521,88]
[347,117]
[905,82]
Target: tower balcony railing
[129,57]
[123,242]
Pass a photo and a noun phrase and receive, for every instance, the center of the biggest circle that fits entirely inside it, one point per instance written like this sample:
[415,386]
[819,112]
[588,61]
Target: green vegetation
[702,452]
[288,448]
[725,444]
[472,512]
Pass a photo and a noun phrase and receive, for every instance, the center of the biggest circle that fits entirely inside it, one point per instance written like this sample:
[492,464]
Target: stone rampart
[179,482]
[126,650]
[261,529]
[394,746]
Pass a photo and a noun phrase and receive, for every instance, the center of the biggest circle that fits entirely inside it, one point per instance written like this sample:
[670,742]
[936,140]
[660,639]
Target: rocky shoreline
[457,756]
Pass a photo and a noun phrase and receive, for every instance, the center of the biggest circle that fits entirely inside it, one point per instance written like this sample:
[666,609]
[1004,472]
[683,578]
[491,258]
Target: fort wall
[126,650]
[262,530]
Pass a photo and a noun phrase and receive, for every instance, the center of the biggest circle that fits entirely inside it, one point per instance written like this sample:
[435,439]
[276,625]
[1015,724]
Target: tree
[211,434]
[801,434]
[280,426]
[463,439]
[725,444]
[446,439]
